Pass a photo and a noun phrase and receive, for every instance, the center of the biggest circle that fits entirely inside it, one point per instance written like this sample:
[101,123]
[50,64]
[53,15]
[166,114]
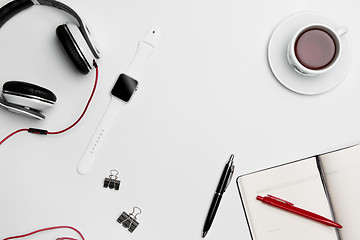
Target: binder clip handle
[114,174]
[133,212]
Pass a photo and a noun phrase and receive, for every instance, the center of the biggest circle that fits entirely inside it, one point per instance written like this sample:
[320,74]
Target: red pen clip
[279,199]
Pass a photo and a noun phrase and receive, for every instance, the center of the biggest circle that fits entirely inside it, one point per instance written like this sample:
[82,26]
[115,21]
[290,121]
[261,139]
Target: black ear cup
[26,98]
[30,90]
[72,49]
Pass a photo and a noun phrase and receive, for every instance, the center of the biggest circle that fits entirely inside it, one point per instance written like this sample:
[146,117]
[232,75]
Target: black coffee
[315,49]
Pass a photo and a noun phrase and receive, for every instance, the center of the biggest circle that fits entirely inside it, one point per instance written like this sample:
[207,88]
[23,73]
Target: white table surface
[205,93]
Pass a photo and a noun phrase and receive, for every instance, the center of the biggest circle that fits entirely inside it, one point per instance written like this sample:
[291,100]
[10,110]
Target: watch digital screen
[124,87]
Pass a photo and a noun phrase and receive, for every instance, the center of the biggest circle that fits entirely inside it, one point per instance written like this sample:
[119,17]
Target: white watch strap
[99,135]
[145,47]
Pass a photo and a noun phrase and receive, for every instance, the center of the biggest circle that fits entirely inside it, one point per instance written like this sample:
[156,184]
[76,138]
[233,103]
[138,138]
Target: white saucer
[286,74]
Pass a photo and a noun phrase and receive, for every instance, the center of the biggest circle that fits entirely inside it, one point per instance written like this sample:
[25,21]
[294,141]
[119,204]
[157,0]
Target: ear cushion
[24,88]
[71,49]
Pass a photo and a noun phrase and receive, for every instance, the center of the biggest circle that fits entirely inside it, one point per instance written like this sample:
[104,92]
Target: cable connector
[95,64]
[38,131]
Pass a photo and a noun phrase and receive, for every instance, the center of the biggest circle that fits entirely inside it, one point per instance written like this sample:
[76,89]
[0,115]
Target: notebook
[326,184]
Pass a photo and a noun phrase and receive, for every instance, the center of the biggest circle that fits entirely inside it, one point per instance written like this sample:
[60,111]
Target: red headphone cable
[47,229]
[45,132]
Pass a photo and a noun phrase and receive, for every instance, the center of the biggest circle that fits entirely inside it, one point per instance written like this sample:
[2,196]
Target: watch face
[124,87]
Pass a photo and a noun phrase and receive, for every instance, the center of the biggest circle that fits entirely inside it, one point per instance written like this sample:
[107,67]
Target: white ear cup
[30,102]
[81,44]
[21,110]
[26,98]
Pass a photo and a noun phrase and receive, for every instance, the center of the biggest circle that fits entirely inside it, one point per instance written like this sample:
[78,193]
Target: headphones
[29,99]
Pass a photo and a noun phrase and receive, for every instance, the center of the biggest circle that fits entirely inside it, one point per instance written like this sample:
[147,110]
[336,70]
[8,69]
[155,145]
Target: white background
[206,92]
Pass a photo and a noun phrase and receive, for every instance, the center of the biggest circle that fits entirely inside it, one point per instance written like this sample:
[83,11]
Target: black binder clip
[112,182]
[129,220]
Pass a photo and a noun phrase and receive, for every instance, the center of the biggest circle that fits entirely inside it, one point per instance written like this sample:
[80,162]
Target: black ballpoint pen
[224,182]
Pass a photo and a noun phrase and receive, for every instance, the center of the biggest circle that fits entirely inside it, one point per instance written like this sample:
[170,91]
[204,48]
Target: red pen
[288,206]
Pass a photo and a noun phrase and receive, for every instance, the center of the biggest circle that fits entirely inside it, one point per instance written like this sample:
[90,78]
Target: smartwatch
[121,94]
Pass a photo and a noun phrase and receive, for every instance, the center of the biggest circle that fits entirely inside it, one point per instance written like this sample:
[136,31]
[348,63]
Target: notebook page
[342,176]
[298,182]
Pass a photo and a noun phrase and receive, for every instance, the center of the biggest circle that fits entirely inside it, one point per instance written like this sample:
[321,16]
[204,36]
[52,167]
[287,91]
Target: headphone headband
[16,6]
[12,8]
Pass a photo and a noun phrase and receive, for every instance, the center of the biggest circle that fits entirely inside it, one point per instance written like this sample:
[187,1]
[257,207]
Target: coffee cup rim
[335,36]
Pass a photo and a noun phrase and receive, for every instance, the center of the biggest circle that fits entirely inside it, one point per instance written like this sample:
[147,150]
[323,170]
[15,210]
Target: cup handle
[342,30]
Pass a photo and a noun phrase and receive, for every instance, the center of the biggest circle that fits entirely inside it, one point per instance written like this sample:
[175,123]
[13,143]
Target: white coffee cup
[315,49]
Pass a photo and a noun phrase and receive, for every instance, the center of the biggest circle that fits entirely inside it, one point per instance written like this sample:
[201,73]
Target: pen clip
[230,176]
[279,199]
